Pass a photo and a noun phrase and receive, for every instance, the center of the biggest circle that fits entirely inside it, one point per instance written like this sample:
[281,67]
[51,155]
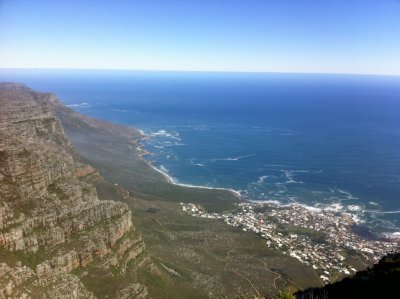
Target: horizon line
[200,71]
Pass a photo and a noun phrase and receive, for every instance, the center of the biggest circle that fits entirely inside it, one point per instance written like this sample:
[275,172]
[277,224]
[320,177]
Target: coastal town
[321,238]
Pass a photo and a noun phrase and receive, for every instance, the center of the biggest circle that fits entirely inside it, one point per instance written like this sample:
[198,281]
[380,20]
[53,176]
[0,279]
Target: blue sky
[340,36]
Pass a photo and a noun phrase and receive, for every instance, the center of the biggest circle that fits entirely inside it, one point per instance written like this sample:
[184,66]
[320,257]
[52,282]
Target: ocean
[327,141]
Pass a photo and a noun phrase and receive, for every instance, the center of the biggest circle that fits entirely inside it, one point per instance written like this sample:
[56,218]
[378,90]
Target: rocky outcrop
[379,281]
[53,228]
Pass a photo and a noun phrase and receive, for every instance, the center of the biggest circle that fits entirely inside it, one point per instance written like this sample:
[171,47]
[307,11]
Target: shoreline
[143,152]
[357,221]
[331,207]
[173,181]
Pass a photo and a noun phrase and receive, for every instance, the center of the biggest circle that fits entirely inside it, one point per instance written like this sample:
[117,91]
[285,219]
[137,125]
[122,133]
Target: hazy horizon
[341,37]
[190,71]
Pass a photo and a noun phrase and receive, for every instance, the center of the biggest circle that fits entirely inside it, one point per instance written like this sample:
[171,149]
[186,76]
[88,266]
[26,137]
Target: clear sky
[328,36]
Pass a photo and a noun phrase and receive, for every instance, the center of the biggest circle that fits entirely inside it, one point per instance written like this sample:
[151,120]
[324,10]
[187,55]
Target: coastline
[357,221]
[332,207]
[143,152]
[336,207]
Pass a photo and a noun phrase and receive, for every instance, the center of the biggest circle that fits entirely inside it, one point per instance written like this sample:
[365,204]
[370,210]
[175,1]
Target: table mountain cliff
[57,239]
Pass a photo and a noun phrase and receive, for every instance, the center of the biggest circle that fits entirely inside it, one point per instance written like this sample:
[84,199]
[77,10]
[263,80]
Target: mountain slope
[57,239]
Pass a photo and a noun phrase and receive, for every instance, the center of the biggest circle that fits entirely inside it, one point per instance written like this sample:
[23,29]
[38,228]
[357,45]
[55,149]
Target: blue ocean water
[330,141]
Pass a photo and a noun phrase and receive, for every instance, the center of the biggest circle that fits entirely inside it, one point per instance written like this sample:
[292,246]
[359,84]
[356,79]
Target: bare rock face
[53,229]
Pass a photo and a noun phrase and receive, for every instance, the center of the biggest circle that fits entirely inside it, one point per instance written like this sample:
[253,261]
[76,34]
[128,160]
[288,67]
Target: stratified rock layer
[54,231]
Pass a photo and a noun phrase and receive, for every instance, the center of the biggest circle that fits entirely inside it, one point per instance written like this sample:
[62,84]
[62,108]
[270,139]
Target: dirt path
[248,280]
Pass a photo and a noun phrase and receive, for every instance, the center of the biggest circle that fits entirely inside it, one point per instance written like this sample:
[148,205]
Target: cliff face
[55,234]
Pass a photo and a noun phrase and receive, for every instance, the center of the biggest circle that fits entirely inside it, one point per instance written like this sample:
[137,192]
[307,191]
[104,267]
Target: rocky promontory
[57,239]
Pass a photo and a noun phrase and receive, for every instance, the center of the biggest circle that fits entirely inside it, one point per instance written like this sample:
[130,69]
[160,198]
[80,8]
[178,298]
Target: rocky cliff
[57,239]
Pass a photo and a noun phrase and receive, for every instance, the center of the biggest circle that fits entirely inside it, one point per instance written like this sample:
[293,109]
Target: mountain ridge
[52,224]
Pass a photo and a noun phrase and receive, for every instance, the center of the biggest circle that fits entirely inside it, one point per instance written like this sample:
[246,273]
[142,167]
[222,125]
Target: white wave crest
[289,174]
[354,208]
[262,179]
[80,105]
[234,158]
[346,194]
[382,212]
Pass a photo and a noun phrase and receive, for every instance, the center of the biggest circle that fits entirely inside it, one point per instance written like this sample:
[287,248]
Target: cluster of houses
[323,239]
